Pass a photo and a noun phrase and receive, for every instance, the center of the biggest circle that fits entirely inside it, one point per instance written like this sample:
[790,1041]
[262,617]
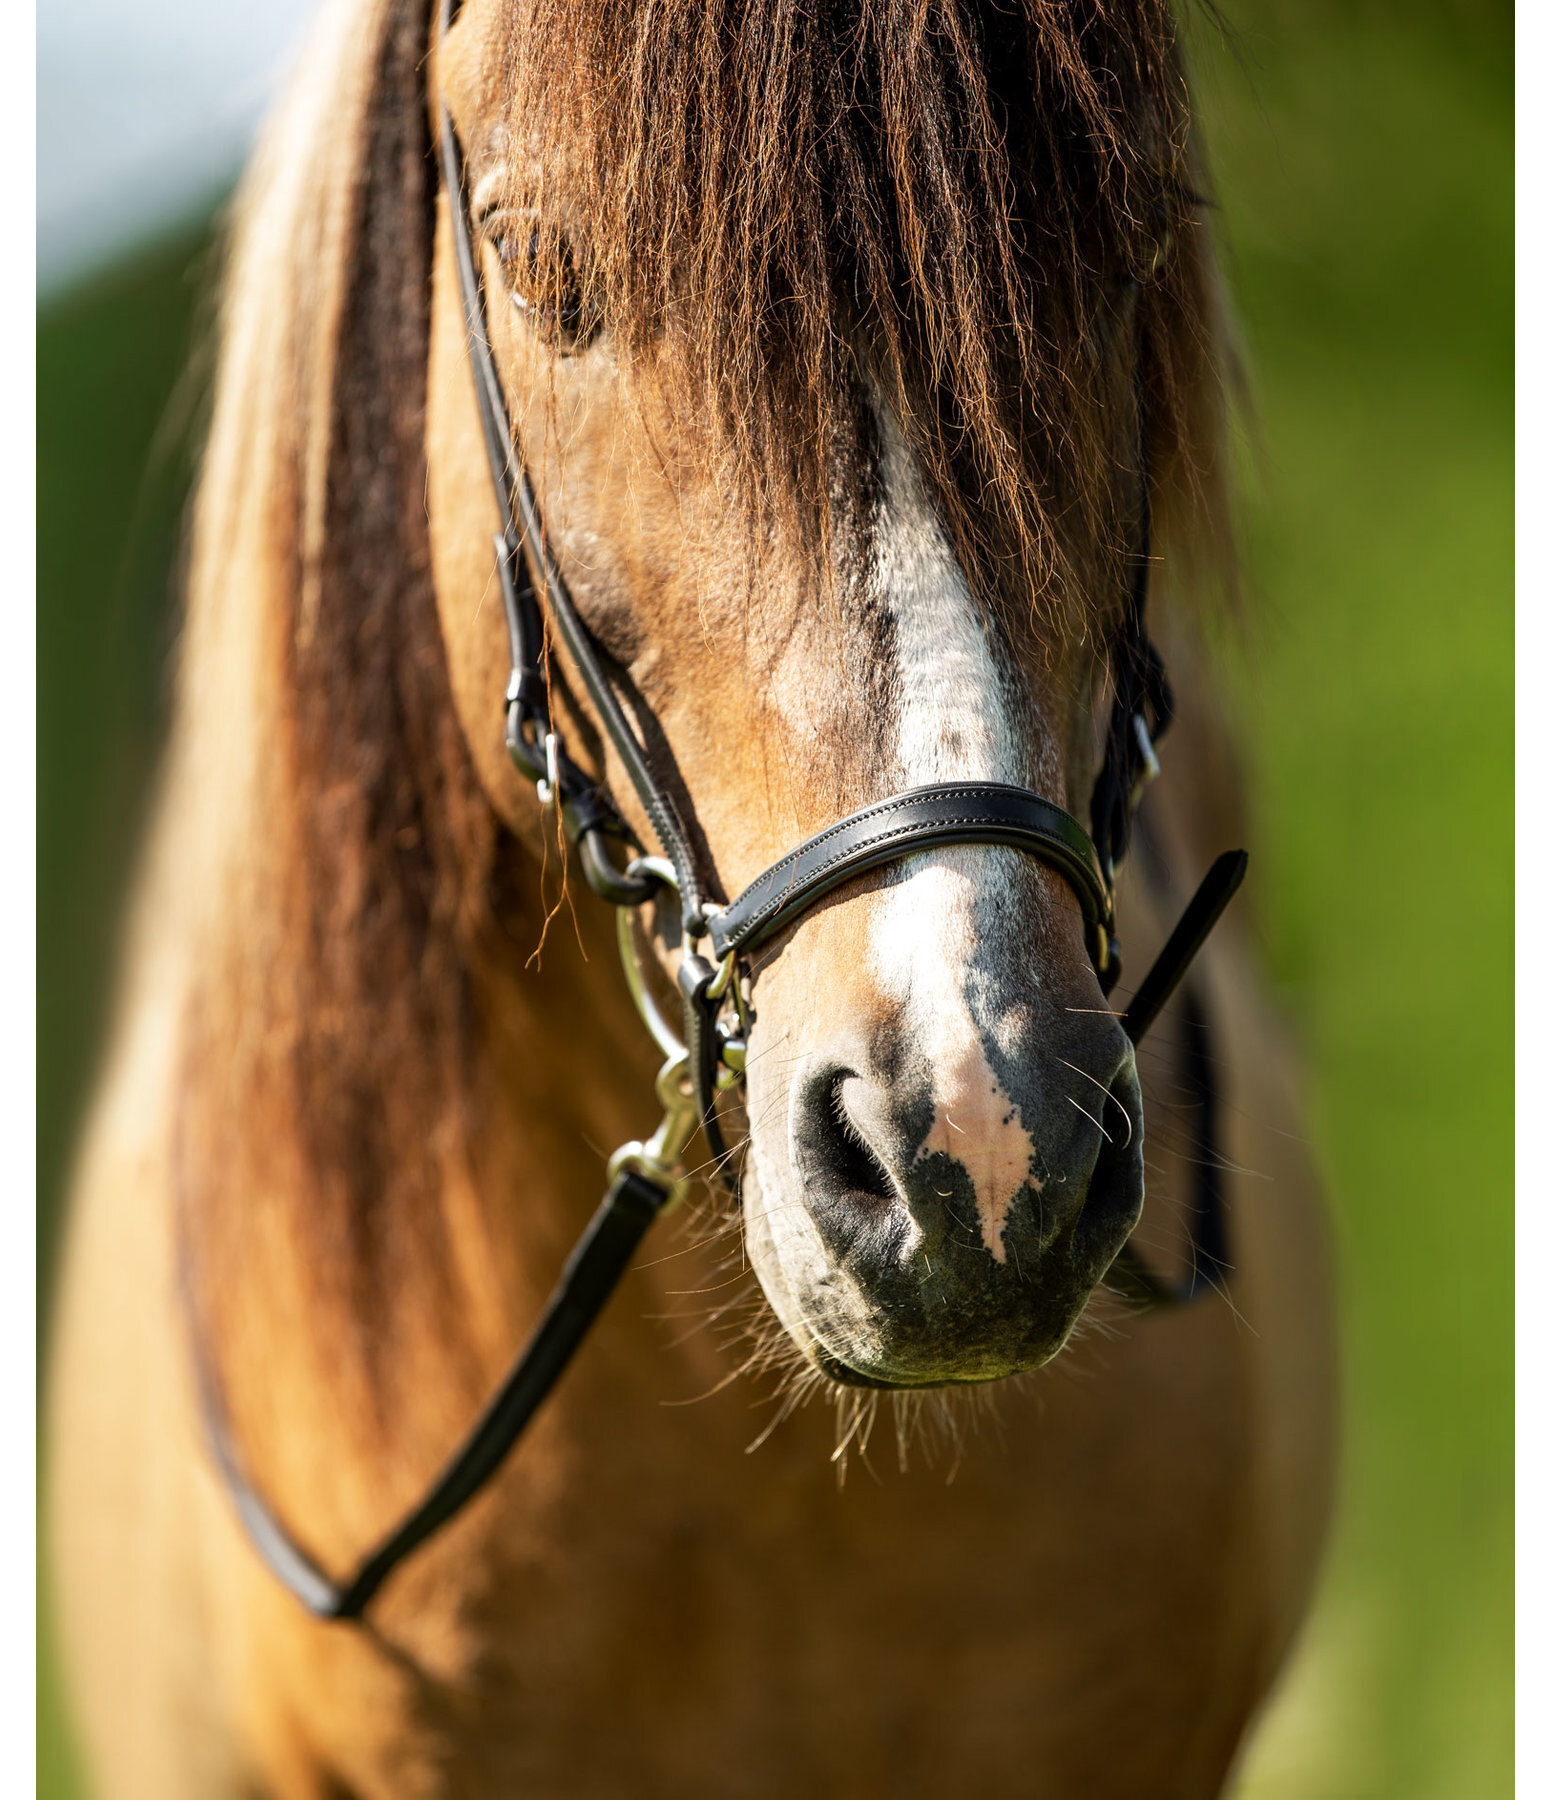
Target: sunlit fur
[311,529]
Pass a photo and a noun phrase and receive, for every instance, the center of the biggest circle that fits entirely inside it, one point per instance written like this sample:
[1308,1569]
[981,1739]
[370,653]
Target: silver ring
[667,1040]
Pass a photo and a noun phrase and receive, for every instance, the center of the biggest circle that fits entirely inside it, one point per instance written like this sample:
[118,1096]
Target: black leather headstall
[647,1178]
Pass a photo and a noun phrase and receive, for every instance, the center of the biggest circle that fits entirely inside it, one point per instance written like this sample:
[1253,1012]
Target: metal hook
[660,1158]
[1150,767]
[549,785]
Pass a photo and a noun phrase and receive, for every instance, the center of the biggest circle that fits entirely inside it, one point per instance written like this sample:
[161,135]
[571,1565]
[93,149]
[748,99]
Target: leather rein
[646,1179]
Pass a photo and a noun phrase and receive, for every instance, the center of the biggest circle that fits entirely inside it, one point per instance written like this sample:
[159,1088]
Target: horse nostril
[857,1163]
[835,1149]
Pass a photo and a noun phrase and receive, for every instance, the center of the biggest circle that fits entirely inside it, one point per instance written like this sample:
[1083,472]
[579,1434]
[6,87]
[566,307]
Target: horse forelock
[993,213]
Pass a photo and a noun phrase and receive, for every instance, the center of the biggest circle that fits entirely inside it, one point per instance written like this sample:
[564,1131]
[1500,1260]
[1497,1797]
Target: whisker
[1087,1115]
[1108,1094]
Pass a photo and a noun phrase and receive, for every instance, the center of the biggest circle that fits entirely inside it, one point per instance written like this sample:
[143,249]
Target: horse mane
[330,834]
[327,856]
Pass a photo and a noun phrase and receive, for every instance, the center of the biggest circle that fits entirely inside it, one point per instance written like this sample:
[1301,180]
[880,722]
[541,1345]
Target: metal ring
[731,1046]
[655,868]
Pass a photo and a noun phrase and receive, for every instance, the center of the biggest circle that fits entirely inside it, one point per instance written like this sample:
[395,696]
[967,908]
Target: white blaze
[952,724]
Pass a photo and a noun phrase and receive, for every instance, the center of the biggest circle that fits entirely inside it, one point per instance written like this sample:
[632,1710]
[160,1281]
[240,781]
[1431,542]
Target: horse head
[846,498]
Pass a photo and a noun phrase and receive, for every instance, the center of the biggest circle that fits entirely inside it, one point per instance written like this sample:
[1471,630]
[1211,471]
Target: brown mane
[354,846]
[325,834]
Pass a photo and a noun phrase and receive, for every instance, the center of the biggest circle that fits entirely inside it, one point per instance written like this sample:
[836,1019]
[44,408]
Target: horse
[848,348]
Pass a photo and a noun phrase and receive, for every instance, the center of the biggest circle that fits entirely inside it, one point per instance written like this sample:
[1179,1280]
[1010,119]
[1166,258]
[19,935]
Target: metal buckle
[1150,768]
[722,979]
[660,1158]
[549,784]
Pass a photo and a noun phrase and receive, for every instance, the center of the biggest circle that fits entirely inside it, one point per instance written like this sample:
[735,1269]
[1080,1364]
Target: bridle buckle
[548,785]
[1150,768]
[659,1159]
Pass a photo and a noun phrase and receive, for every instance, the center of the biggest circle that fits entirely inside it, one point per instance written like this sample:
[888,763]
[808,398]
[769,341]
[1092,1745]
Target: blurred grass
[114,377]
[112,472]
[1363,162]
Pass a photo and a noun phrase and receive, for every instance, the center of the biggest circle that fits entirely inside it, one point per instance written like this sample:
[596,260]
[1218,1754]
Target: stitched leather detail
[940,815]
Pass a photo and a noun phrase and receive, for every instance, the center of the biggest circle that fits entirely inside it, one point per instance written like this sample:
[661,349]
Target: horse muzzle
[942,1215]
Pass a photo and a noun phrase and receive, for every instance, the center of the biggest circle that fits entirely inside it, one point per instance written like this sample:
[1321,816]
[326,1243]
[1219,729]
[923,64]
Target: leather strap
[703,1042]
[522,553]
[1128,1274]
[591,1273]
[1198,921]
[923,818]
[1143,701]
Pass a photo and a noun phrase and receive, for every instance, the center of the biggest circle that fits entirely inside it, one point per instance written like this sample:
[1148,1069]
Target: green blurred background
[1362,153]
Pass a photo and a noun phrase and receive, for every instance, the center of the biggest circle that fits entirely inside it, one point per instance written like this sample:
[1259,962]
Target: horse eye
[539,266]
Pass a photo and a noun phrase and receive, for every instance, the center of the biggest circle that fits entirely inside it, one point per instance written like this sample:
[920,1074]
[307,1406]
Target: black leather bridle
[645,1179]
